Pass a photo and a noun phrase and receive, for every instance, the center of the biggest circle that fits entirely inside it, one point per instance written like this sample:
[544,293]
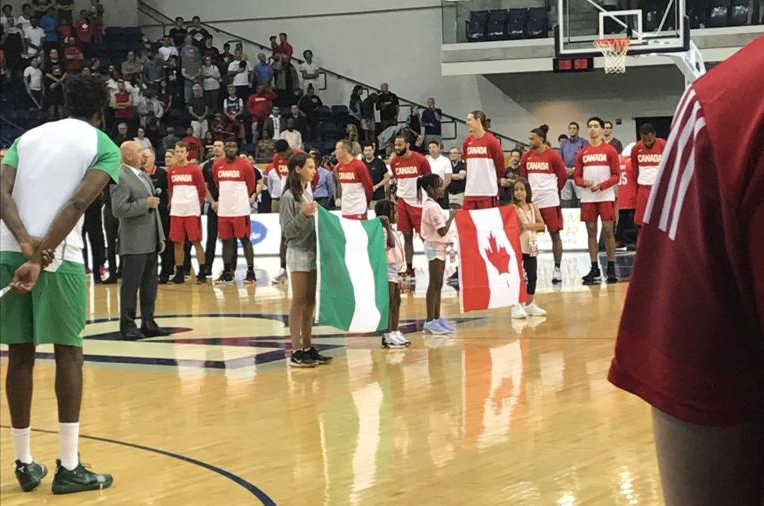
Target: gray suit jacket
[140,231]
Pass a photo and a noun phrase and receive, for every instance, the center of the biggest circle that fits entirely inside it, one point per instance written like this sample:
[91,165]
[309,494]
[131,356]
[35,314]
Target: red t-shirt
[356,183]
[645,161]
[195,147]
[601,165]
[258,104]
[84,30]
[123,98]
[406,171]
[73,60]
[65,31]
[236,182]
[627,186]
[484,162]
[690,341]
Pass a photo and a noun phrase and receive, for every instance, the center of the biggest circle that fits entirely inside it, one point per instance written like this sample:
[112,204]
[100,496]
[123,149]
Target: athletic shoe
[390,342]
[533,310]
[179,278]
[111,280]
[320,359]
[611,277]
[201,278]
[593,278]
[301,359]
[557,276]
[225,277]
[250,278]
[446,324]
[30,475]
[163,280]
[78,480]
[518,312]
[433,328]
[398,336]
[281,279]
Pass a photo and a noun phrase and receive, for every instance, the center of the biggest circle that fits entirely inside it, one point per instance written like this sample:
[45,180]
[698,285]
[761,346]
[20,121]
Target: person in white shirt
[33,37]
[309,71]
[24,20]
[291,135]
[33,82]
[142,140]
[211,83]
[273,122]
[240,75]
[167,50]
[441,166]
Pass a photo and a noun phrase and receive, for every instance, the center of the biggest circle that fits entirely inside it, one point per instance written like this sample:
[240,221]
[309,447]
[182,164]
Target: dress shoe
[155,332]
[132,335]
[111,280]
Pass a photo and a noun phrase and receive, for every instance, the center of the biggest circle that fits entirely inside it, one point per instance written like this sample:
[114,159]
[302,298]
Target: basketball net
[614,51]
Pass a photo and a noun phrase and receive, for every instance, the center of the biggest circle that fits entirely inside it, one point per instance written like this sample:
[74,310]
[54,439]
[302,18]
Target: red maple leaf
[499,257]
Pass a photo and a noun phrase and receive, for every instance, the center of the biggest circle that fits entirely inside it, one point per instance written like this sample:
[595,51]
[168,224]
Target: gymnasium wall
[116,12]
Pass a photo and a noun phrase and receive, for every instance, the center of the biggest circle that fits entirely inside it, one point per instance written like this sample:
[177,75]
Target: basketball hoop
[614,51]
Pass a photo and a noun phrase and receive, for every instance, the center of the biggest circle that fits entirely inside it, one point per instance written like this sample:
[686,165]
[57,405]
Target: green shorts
[55,312]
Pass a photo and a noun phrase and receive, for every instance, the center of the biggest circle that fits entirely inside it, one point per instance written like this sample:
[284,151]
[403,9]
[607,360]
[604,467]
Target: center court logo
[258,232]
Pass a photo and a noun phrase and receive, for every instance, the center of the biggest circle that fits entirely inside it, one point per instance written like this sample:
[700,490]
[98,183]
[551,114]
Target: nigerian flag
[352,292]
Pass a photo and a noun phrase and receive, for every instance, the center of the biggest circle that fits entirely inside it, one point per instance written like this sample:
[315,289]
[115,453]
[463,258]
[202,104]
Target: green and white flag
[352,292]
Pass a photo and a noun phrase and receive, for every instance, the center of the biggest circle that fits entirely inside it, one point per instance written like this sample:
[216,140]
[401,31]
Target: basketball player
[48,178]
[691,341]
[355,179]
[545,171]
[280,159]
[407,166]
[484,164]
[646,156]
[597,172]
[187,192]
[235,178]
[212,195]
[627,200]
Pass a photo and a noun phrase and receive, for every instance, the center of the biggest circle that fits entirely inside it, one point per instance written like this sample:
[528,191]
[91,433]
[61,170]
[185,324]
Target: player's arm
[201,188]
[524,166]
[498,158]
[424,166]
[10,212]
[368,185]
[615,171]
[559,168]
[579,171]
[635,162]
[251,180]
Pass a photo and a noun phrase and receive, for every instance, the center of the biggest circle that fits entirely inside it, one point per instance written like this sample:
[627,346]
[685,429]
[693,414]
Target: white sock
[22,439]
[68,435]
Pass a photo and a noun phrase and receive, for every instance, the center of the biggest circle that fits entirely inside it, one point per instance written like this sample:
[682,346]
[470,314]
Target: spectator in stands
[13,45]
[258,105]
[167,50]
[240,75]
[569,148]
[142,140]
[198,33]
[195,146]
[178,32]
[49,24]
[199,111]
[285,47]
[388,107]
[309,71]
[24,21]
[560,139]
[94,64]
[458,177]
[7,16]
[40,8]
[96,13]
[613,141]
[65,29]
[153,70]
[274,124]
[239,48]
[208,49]
[286,80]
[233,109]
[323,193]
[54,92]
[123,104]
[511,175]
[33,84]
[33,37]
[263,70]
[380,176]
[414,124]
[84,32]
[73,56]
[190,66]
[356,102]
[221,130]
[441,166]
[54,58]
[291,135]
[299,119]
[131,66]
[65,10]
[210,75]
[170,140]
[368,122]
[265,147]
[174,81]
[309,105]
[431,118]
[123,134]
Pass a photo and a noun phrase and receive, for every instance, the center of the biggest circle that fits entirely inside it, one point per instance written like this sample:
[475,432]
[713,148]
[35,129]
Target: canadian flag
[490,259]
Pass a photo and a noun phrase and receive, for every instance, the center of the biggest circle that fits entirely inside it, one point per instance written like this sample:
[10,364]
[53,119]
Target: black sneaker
[320,359]
[225,277]
[163,280]
[251,278]
[78,480]
[201,278]
[30,475]
[301,359]
[593,278]
[179,279]
[611,277]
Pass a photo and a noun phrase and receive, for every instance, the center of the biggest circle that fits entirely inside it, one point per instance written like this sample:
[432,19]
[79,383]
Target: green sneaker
[78,480]
[30,475]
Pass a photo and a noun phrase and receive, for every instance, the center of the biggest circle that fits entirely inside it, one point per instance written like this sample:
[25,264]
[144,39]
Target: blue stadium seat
[496,27]
[516,23]
[476,26]
[537,25]
[340,110]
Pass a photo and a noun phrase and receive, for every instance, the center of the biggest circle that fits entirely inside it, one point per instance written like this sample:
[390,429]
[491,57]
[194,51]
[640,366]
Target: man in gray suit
[141,239]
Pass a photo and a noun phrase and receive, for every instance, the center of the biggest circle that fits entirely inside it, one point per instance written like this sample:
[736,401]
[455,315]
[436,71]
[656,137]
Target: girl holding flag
[531,223]
[396,256]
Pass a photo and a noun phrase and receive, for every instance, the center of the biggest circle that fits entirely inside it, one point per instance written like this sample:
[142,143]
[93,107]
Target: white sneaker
[533,310]
[557,275]
[398,337]
[281,279]
[518,312]
[389,341]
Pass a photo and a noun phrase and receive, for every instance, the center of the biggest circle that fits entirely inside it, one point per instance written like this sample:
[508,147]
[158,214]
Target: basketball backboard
[652,26]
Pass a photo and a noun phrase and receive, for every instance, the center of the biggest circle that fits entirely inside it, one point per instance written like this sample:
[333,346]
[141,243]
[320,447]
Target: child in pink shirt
[396,257]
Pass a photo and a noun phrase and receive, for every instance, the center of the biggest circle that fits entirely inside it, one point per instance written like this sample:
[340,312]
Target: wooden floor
[502,413]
